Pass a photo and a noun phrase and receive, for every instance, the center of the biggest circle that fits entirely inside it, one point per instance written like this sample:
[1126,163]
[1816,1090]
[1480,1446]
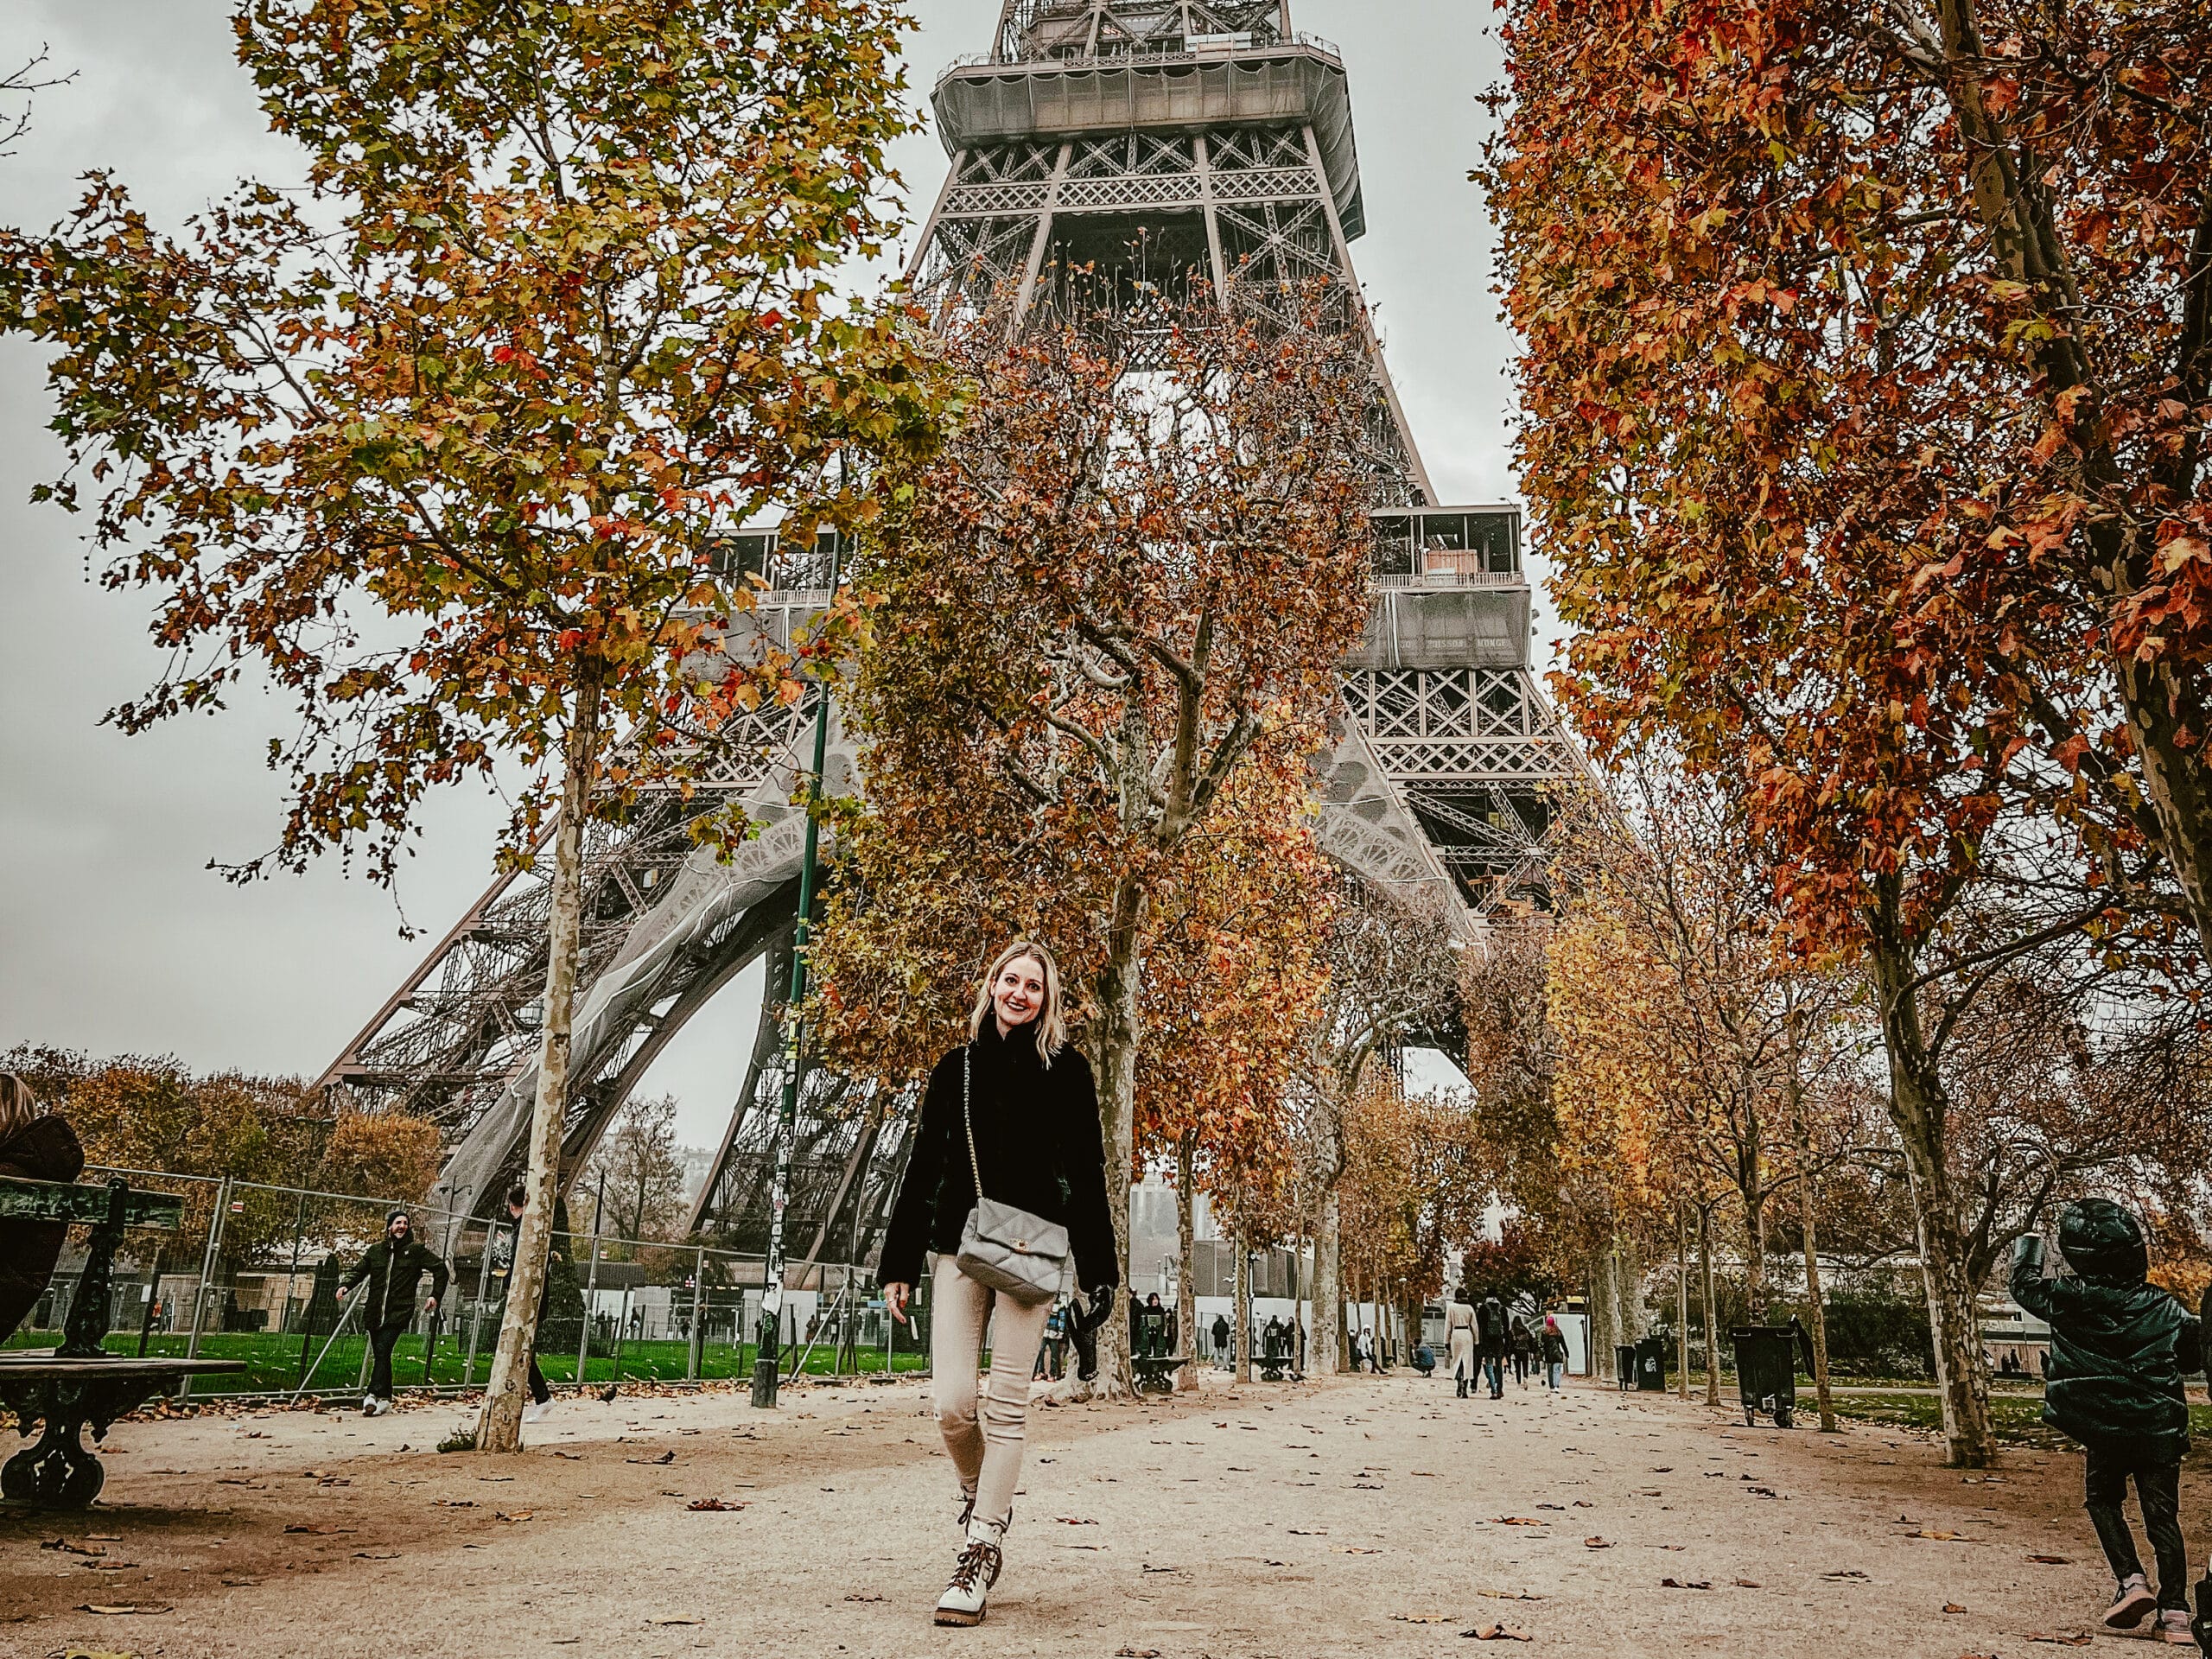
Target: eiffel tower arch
[1127,142]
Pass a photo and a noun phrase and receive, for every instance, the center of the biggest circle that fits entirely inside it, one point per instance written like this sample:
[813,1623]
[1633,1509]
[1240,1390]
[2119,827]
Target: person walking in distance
[1221,1338]
[1552,1347]
[1459,1339]
[1011,1115]
[2119,1349]
[1524,1351]
[392,1267]
[1492,1341]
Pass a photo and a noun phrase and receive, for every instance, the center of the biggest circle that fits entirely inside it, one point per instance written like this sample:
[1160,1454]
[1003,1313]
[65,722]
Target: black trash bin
[1766,1369]
[1624,1366]
[1651,1365]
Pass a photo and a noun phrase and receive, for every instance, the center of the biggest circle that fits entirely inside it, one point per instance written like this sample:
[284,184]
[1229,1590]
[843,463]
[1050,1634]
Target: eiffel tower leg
[767,1039]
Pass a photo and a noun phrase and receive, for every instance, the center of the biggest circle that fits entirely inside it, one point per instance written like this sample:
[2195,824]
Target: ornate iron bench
[1156,1372]
[80,1383]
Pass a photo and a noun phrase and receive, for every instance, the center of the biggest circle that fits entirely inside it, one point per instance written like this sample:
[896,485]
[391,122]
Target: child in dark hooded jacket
[2119,1350]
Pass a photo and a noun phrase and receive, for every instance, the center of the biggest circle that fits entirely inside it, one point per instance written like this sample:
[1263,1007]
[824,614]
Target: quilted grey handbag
[1014,1253]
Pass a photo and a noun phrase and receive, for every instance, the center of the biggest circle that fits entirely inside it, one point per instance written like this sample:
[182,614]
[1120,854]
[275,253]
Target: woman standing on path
[1459,1337]
[1015,1110]
[1554,1353]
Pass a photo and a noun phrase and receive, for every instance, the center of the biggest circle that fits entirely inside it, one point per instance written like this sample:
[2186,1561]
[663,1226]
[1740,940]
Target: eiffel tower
[1131,142]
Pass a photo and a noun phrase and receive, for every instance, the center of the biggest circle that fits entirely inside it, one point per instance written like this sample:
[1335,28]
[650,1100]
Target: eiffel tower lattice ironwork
[1125,141]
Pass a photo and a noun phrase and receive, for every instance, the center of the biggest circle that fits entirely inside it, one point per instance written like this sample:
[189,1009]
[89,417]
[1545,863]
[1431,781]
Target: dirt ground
[1376,1516]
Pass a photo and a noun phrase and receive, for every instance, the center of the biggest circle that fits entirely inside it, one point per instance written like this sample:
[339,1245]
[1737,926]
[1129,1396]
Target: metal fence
[253,1272]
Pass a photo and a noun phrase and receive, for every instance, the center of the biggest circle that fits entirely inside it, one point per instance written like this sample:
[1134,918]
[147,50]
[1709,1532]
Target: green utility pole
[768,1358]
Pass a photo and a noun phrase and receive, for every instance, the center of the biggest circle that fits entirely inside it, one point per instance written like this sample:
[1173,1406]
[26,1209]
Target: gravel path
[1369,1517]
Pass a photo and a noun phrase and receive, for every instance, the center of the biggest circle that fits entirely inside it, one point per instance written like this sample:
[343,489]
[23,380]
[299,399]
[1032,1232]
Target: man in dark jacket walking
[392,1267]
[1492,1340]
[2119,1349]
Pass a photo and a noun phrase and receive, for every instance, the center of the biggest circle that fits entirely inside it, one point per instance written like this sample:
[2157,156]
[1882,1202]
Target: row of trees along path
[1868,367]
[439,447]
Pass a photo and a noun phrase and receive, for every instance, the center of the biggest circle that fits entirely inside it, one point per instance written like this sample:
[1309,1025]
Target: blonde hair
[1051,1020]
[18,1106]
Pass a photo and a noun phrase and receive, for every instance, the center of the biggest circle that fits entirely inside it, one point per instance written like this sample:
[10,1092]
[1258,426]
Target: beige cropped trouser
[985,1440]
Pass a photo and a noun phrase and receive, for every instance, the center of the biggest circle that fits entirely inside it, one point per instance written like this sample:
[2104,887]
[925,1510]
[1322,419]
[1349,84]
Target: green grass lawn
[2015,1418]
[273,1362]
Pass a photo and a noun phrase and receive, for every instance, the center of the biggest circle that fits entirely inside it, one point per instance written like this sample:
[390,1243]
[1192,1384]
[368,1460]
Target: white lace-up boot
[974,1575]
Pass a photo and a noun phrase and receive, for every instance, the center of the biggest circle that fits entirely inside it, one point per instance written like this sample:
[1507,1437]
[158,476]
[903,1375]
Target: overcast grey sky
[114,937]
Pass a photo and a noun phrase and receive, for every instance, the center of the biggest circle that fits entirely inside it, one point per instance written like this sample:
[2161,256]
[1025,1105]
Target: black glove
[2027,1251]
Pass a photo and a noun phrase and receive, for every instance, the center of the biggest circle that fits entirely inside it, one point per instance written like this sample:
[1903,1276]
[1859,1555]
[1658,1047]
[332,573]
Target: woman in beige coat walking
[1459,1335]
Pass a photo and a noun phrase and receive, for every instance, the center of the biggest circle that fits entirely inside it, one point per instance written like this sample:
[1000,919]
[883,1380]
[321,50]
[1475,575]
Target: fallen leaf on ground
[1747,1584]
[713,1503]
[376,1555]
[1310,1532]
[63,1544]
[519,1514]
[1509,1595]
[1354,1549]
[1497,1633]
[240,1584]
[1519,1521]
[1422,1618]
[676,1621]
[1686,1584]
[2062,1638]
[1952,1607]
[1136,1653]
[1850,1573]
[125,1607]
[1596,1543]
[1940,1537]
[319,1532]
[2052,1561]
[863,1595]
[1074,1520]
[573,1457]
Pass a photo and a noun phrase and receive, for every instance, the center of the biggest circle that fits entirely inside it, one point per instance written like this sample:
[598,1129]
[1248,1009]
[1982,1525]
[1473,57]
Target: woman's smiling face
[1018,993]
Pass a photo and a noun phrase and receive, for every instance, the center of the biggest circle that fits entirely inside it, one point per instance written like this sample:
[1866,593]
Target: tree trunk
[499,1427]
[1186,1245]
[1119,1033]
[1628,1288]
[1603,1308]
[1326,1351]
[1918,1108]
[1755,1255]
[1807,1206]
[1711,1337]
[1241,1321]
[1682,1302]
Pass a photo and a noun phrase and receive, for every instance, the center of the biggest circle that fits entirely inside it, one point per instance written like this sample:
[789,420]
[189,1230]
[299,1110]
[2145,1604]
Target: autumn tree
[1957,261]
[1394,974]
[1132,573]
[388,1155]
[1775,441]
[643,1168]
[442,446]
[1233,977]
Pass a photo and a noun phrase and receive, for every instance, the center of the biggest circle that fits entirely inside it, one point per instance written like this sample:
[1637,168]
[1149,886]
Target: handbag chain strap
[968,1118]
